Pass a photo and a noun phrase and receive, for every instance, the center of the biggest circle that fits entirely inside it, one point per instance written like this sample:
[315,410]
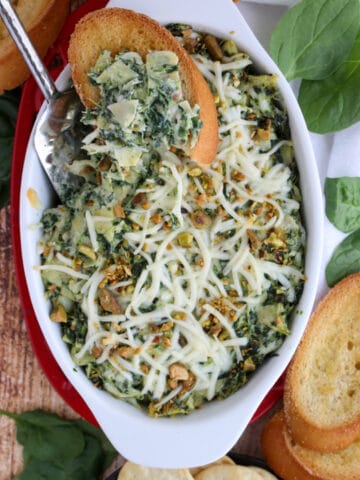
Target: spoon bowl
[58,140]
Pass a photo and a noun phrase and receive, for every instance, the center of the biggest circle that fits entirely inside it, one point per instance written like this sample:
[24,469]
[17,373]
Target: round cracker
[220,461]
[264,474]
[132,471]
[227,472]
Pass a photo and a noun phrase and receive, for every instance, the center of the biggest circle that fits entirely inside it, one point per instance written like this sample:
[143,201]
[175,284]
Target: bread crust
[118,29]
[326,367]
[43,21]
[276,452]
[293,462]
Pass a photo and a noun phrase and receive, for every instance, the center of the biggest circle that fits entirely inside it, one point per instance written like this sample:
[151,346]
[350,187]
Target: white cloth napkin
[336,154]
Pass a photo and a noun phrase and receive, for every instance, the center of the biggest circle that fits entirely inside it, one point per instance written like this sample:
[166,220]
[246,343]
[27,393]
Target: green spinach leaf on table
[36,469]
[60,449]
[333,103]
[345,259]
[343,202]
[314,36]
[36,432]
[87,466]
[107,448]
[9,102]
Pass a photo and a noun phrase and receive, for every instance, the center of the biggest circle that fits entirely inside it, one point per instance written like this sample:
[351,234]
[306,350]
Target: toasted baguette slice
[293,462]
[42,20]
[322,387]
[117,29]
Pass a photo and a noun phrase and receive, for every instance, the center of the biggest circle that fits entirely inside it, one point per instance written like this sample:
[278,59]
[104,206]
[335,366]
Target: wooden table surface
[23,385]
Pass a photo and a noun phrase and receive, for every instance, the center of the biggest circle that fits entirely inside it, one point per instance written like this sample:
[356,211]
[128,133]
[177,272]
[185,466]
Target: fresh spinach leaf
[4,193]
[345,259]
[59,449]
[89,465]
[107,448]
[313,37]
[8,112]
[333,103]
[47,437]
[9,102]
[36,469]
[343,202]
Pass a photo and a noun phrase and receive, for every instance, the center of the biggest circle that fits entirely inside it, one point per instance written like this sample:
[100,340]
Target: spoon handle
[30,55]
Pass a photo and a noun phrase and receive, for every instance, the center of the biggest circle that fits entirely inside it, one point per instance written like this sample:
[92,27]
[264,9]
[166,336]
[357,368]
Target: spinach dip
[173,283]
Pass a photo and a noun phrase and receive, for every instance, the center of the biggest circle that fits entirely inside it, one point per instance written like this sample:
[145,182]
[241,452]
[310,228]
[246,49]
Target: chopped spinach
[138,236]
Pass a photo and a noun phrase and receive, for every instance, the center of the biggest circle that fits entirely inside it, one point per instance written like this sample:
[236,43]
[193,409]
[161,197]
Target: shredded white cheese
[180,308]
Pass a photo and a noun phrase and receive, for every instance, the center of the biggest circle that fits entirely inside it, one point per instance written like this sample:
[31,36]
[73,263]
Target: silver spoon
[58,130]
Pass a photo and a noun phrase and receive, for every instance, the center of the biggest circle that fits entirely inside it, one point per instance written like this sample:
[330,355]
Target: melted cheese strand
[67,261]
[62,269]
[169,396]
[92,231]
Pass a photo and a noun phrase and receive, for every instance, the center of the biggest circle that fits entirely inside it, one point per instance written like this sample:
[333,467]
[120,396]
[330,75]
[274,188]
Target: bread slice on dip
[116,30]
[322,388]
